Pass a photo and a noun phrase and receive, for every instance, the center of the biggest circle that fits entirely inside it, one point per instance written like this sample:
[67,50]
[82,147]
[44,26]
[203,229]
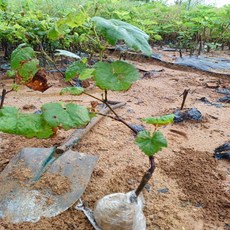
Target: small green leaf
[63,25]
[29,69]
[86,74]
[65,116]
[28,125]
[15,87]
[74,69]
[72,90]
[24,62]
[73,19]
[54,33]
[160,120]
[114,30]
[20,55]
[150,144]
[10,73]
[115,76]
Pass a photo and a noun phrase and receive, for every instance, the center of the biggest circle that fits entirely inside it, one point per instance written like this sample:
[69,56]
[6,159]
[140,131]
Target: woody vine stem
[148,174]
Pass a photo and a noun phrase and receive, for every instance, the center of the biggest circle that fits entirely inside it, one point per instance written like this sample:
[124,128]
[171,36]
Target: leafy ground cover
[197,28]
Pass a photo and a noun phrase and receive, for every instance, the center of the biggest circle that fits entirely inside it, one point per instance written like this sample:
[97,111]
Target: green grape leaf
[29,69]
[24,62]
[73,19]
[150,144]
[114,30]
[28,125]
[10,73]
[21,55]
[65,116]
[54,33]
[61,27]
[115,76]
[86,74]
[72,90]
[160,120]
[74,69]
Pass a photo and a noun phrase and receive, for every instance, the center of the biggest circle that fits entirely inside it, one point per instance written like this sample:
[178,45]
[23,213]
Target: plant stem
[148,174]
[117,117]
[4,92]
[184,94]
[180,53]
[106,96]
[47,57]
[104,102]
[2,98]
[120,120]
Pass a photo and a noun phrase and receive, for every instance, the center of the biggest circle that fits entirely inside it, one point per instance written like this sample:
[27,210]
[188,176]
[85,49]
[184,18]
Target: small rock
[4,161]
[212,85]
[29,107]
[38,112]
[147,187]
[163,190]
[184,203]
[130,111]
[198,205]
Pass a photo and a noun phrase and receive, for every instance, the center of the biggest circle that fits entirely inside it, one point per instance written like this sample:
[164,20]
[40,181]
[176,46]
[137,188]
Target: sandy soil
[189,189]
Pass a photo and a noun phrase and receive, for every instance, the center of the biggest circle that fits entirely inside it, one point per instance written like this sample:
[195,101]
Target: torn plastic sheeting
[225,99]
[189,114]
[205,63]
[223,91]
[222,152]
[207,102]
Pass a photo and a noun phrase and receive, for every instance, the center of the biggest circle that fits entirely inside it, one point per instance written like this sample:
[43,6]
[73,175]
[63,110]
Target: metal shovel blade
[23,199]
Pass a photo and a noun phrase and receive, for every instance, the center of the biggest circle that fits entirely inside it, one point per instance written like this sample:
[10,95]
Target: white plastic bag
[117,212]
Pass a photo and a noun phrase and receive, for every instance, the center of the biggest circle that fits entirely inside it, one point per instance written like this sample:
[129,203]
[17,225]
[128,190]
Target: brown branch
[184,94]
[4,92]
[147,176]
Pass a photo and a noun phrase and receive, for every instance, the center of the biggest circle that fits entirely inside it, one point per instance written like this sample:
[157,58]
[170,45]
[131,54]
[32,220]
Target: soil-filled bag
[120,211]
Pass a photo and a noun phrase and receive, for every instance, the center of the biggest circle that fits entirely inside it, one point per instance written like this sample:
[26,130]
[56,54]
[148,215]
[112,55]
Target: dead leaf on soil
[39,81]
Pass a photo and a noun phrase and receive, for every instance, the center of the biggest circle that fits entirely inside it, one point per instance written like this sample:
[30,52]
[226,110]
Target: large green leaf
[115,76]
[114,30]
[160,120]
[65,116]
[150,144]
[28,125]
